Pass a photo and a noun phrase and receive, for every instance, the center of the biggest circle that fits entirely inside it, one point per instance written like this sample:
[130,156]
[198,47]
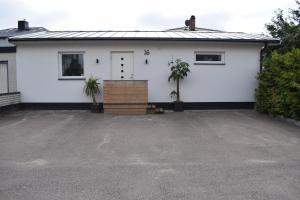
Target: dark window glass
[208,57]
[72,64]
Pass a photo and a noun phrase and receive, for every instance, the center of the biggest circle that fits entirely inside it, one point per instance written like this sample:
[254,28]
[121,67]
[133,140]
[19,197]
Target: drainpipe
[262,55]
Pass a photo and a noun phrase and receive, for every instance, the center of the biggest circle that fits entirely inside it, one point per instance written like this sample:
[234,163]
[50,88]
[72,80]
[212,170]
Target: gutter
[262,55]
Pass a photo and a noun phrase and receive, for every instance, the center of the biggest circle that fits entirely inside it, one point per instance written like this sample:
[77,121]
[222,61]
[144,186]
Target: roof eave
[274,41]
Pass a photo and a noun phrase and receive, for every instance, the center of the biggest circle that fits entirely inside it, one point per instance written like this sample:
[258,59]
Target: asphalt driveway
[205,155]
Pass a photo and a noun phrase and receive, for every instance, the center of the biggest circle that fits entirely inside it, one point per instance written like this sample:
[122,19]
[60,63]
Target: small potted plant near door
[91,88]
[178,72]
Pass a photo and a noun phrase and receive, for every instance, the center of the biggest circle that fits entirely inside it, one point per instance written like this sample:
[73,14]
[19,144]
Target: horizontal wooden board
[125,100]
[126,85]
[122,93]
[125,111]
[124,106]
[136,89]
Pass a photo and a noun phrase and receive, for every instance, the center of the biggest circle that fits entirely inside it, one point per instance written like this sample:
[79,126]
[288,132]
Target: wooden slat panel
[125,97]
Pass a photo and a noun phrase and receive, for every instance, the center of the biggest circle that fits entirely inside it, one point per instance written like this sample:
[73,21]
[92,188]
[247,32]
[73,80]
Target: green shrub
[91,88]
[278,91]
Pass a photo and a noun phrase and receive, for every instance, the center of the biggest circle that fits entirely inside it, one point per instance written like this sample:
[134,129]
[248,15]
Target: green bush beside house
[278,92]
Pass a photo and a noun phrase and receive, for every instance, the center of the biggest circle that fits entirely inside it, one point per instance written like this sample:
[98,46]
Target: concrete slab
[191,155]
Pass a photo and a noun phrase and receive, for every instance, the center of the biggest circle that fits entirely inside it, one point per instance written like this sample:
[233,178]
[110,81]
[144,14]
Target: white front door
[122,65]
[3,78]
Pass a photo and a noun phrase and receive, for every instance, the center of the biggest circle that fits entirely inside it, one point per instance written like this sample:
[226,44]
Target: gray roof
[202,35]
[9,32]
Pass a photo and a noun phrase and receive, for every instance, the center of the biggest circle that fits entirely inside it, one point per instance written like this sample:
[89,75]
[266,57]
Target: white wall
[12,79]
[37,67]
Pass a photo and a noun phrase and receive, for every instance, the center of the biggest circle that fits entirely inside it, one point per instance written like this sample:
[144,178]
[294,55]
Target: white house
[52,65]
[9,94]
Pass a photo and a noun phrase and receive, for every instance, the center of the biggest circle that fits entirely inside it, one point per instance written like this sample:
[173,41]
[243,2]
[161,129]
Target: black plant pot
[95,109]
[178,106]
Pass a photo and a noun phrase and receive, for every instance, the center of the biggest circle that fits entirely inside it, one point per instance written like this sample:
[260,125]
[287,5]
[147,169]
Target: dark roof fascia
[8,49]
[145,39]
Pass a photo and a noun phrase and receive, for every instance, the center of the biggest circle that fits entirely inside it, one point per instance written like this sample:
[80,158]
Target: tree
[178,72]
[278,91]
[285,28]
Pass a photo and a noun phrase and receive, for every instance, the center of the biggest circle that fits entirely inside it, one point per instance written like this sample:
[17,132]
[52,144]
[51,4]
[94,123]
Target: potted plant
[91,88]
[178,71]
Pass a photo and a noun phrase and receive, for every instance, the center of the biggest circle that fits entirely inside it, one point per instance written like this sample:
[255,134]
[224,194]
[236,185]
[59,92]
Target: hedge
[278,91]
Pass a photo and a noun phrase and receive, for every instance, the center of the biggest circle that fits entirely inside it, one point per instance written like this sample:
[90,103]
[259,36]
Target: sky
[229,15]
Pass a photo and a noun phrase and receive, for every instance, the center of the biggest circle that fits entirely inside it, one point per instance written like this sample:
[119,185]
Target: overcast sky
[230,15]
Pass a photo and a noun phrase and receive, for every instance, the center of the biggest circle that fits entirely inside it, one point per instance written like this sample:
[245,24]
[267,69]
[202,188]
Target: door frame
[128,51]
[7,73]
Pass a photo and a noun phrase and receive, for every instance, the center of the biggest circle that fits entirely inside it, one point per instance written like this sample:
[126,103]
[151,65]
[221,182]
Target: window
[71,65]
[212,58]
[3,77]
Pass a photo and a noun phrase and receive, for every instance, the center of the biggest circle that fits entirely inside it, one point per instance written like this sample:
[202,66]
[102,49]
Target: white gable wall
[37,67]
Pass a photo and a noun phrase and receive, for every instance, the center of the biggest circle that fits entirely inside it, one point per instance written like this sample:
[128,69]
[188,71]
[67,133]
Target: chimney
[23,25]
[192,24]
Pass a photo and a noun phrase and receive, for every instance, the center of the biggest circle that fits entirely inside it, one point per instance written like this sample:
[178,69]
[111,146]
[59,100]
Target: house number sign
[146,52]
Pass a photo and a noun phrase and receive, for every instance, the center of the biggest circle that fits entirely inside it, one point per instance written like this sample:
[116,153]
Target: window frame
[60,67]
[221,62]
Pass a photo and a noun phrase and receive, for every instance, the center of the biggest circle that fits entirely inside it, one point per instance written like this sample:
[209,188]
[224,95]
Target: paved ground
[205,155]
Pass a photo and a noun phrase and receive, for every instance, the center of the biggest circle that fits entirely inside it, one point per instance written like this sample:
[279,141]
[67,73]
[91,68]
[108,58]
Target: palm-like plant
[91,88]
[178,71]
